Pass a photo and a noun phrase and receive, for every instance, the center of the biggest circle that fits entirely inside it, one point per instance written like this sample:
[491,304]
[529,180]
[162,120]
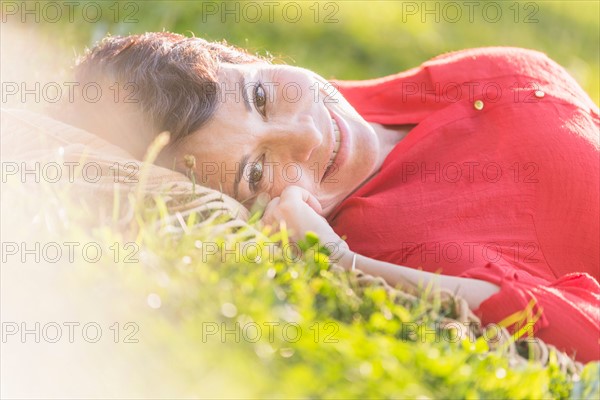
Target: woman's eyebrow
[238,175]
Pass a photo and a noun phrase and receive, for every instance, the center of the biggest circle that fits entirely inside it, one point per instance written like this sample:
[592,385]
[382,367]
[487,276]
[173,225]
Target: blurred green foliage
[253,321]
[348,39]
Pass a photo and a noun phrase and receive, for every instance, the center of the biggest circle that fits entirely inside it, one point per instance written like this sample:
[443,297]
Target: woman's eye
[255,174]
[260,99]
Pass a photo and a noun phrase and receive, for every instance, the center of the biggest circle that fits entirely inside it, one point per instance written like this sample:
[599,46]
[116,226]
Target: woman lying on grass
[477,171]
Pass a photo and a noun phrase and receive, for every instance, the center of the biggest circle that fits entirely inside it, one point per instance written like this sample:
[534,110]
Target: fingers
[301,212]
[298,208]
[295,193]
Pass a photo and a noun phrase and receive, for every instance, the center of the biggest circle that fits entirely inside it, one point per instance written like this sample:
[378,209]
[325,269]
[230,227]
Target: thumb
[294,192]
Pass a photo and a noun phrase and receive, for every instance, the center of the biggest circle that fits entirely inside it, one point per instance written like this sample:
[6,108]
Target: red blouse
[498,181]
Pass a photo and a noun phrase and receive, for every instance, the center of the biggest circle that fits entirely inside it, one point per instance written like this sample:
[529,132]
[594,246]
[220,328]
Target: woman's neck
[389,136]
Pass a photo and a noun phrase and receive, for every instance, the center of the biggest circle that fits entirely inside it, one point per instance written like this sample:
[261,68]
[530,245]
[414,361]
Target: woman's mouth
[332,165]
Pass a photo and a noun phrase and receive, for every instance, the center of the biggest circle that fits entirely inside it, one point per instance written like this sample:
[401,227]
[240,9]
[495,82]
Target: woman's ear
[168,158]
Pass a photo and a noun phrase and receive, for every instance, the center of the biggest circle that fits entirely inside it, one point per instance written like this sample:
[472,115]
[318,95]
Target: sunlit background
[341,39]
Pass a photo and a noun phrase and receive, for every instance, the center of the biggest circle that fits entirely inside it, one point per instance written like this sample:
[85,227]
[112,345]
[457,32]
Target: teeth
[336,132]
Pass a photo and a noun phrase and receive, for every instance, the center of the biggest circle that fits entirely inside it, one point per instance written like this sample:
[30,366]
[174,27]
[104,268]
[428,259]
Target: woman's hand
[302,212]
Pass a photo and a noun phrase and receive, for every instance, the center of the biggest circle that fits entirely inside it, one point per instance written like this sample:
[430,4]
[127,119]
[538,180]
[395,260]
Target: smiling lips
[331,163]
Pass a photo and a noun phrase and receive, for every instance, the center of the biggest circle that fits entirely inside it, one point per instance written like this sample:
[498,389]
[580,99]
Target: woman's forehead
[225,133]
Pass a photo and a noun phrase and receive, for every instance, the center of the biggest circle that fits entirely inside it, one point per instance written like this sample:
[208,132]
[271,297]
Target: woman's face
[277,126]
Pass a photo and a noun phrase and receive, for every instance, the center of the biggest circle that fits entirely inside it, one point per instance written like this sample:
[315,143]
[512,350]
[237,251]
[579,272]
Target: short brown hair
[174,76]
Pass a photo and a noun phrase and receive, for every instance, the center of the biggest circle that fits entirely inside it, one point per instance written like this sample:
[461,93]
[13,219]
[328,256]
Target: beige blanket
[38,148]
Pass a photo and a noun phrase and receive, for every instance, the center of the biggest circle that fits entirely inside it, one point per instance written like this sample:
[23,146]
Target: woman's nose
[298,138]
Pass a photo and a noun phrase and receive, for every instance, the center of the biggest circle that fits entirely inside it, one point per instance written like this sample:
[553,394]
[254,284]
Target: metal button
[478,105]
[539,94]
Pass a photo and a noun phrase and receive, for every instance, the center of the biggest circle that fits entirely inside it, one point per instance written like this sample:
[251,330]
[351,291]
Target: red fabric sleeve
[569,305]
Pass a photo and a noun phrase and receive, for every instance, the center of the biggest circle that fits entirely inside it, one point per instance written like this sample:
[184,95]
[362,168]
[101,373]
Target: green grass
[251,322]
